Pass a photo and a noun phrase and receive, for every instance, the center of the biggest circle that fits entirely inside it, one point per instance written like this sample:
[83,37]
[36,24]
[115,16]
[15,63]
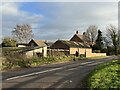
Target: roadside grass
[36,61]
[13,60]
[106,75]
[17,62]
[98,57]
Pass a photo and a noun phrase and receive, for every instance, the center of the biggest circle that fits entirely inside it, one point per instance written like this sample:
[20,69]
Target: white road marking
[94,63]
[33,74]
[22,76]
[71,69]
[86,63]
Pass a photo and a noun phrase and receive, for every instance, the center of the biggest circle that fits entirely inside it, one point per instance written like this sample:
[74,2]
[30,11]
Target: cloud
[10,9]
[57,20]
[78,16]
[12,15]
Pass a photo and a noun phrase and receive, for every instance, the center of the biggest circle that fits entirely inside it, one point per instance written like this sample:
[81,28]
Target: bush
[14,59]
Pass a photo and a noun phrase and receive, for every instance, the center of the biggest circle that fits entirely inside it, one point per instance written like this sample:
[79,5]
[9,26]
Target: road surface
[65,75]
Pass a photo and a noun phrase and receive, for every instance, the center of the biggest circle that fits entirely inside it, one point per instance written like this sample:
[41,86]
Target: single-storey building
[36,48]
[34,43]
[72,47]
[30,52]
[76,44]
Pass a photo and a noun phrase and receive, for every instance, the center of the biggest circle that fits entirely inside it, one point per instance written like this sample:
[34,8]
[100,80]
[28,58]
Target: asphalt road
[65,75]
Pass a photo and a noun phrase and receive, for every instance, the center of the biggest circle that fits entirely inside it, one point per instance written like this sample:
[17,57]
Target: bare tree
[91,34]
[112,34]
[23,33]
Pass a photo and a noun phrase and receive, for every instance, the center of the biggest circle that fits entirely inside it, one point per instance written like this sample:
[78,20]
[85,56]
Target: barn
[72,47]
[76,44]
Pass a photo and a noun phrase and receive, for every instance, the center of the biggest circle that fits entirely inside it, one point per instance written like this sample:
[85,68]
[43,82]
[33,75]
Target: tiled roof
[80,36]
[40,42]
[75,44]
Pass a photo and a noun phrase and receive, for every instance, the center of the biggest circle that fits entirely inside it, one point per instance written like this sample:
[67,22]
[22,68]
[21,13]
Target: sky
[57,20]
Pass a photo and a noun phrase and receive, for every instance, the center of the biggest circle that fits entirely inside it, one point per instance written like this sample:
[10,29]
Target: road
[65,75]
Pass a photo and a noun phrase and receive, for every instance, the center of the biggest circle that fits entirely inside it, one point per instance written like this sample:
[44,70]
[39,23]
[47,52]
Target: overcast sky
[58,20]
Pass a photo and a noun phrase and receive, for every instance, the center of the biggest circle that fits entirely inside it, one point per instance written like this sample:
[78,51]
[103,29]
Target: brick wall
[80,50]
[95,54]
[73,50]
[87,50]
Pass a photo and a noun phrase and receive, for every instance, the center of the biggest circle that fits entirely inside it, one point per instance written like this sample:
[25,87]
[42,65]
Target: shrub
[9,42]
[14,59]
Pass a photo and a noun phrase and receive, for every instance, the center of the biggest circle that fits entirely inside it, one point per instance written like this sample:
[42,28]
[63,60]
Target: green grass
[105,75]
[13,63]
[98,57]
[50,60]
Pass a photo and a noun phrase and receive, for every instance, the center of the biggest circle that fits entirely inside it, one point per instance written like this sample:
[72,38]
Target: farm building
[35,51]
[72,47]
[76,44]
[34,43]
[36,48]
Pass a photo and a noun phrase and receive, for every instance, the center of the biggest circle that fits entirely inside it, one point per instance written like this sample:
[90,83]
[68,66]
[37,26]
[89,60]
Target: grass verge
[106,75]
[98,57]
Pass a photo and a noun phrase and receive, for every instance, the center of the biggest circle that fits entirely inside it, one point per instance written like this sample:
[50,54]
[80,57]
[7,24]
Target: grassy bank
[15,60]
[98,57]
[105,75]
[14,63]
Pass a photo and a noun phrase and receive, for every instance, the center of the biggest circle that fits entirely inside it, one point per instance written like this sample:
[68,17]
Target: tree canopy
[90,34]
[99,41]
[112,34]
[23,33]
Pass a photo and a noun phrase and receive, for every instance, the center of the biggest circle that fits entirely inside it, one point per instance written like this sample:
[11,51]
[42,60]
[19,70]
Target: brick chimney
[84,33]
[77,32]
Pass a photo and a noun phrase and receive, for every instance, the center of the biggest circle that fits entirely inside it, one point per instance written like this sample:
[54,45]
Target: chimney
[84,33]
[77,32]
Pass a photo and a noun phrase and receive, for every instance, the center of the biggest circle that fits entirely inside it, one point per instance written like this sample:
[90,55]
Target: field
[105,75]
